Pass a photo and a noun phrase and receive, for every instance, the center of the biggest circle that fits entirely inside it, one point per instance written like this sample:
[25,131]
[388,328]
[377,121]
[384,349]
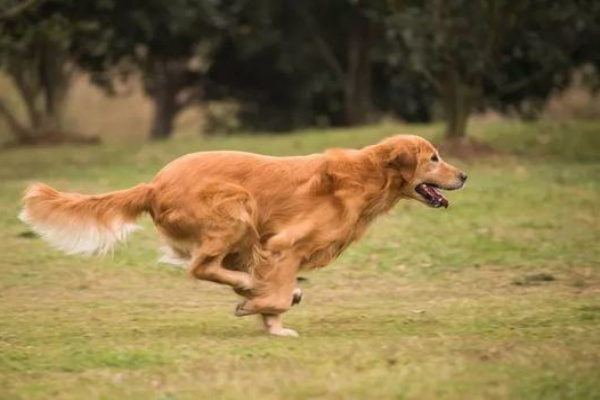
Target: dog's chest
[320,234]
[328,245]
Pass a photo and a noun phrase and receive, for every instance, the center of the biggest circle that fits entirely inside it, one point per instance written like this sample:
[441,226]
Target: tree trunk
[163,119]
[357,86]
[457,115]
[458,100]
[55,77]
[22,133]
[42,77]
[165,85]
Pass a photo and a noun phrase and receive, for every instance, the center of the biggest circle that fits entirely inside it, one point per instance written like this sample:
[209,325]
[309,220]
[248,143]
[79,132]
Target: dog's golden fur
[247,220]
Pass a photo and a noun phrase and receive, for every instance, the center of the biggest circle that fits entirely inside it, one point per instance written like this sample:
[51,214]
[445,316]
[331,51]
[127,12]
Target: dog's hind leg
[214,221]
[210,268]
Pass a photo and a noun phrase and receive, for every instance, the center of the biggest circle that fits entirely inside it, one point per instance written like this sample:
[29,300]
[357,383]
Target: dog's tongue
[440,200]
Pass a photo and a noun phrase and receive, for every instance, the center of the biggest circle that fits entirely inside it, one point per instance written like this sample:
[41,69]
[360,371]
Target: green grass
[497,297]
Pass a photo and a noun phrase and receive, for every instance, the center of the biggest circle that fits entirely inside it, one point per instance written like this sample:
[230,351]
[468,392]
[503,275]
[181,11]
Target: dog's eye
[435,158]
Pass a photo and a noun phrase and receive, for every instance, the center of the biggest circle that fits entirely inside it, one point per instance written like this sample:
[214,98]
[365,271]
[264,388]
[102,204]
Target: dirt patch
[533,279]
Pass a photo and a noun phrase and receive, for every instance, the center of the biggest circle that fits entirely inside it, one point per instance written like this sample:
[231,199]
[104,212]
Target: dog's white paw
[284,332]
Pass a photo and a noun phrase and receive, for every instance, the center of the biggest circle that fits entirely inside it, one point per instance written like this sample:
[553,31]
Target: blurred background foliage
[271,65]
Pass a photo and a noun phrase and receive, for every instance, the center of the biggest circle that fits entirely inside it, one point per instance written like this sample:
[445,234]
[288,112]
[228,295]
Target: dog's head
[421,169]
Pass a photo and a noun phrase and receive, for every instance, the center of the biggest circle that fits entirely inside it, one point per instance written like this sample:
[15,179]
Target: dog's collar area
[433,198]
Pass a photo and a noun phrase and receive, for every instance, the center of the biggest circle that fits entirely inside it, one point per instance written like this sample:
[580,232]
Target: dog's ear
[403,157]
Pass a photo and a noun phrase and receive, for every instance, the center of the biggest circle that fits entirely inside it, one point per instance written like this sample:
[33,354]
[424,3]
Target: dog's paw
[297,296]
[241,311]
[284,332]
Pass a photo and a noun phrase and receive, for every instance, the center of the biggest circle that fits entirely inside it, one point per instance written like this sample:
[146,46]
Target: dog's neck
[365,180]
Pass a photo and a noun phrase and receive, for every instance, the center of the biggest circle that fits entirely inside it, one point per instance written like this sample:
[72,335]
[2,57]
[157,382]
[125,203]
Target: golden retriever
[252,221]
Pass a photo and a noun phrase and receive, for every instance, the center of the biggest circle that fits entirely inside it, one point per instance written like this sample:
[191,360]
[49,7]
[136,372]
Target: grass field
[497,297]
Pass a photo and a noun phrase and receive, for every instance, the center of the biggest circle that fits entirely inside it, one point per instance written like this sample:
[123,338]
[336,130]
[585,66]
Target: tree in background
[504,54]
[399,91]
[298,64]
[290,62]
[169,43]
[252,67]
[539,59]
[34,45]
[344,49]
[453,44]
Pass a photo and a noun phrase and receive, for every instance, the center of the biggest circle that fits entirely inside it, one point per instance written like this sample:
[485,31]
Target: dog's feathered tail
[80,224]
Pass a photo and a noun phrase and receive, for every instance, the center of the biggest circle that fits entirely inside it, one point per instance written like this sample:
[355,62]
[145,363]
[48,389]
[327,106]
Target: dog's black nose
[463,177]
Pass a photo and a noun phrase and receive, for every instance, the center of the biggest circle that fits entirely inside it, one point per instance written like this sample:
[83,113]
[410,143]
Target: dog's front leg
[274,326]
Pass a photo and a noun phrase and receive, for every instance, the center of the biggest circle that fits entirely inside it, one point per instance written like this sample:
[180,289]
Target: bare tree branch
[18,9]
[432,79]
[28,90]
[15,126]
[322,46]
[520,84]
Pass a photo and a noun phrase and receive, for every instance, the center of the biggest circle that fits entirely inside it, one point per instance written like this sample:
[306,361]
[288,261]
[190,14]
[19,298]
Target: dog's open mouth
[431,195]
